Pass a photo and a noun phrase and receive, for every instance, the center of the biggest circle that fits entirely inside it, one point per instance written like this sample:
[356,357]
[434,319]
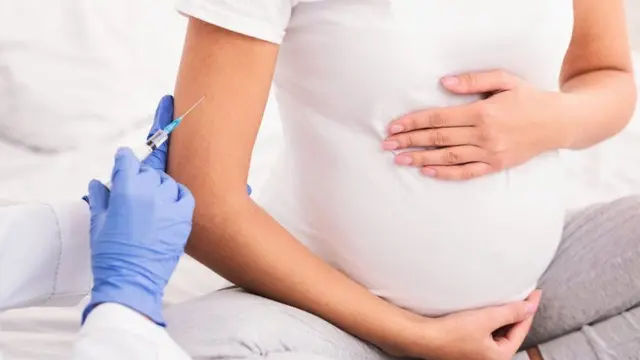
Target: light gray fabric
[587,312]
[617,338]
[521,356]
[593,279]
[232,324]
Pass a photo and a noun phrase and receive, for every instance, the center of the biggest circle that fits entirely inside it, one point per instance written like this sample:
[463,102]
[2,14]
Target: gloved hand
[139,230]
[163,117]
[138,234]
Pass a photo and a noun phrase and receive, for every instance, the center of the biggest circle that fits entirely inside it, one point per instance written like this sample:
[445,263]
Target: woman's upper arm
[600,40]
[211,150]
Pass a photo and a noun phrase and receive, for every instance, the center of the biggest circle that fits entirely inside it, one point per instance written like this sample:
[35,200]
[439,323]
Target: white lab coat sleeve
[44,254]
[113,331]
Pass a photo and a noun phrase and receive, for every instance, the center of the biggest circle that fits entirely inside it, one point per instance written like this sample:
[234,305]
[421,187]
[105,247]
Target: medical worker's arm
[44,247]
[138,233]
[232,235]
[113,331]
[44,254]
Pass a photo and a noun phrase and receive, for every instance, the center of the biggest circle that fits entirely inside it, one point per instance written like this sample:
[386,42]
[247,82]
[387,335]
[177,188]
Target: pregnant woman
[362,245]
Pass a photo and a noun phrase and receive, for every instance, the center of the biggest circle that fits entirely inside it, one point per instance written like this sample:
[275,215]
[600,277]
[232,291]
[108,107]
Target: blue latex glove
[163,117]
[139,230]
[136,242]
[138,234]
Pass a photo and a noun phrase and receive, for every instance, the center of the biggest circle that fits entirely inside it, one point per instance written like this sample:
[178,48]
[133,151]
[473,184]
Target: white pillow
[74,71]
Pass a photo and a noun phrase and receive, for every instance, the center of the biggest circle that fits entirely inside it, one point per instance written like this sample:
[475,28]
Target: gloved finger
[164,176]
[158,158]
[126,167]
[98,197]
[249,190]
[168,189]
[149,176]
[186,198]
[164,115]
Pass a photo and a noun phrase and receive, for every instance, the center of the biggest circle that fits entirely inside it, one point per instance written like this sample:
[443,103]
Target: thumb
[518,332]
[126,167]
[513,313]
[480,82]
[98,197]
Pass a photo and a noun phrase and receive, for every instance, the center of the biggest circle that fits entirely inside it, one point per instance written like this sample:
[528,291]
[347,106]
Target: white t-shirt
[345,70]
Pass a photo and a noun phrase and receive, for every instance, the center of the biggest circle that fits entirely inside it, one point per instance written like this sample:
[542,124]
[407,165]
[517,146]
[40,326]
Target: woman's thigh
[596,272]
[233,324]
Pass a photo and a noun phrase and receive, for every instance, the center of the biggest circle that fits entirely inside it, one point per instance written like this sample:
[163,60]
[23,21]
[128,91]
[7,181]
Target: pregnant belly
[429,246]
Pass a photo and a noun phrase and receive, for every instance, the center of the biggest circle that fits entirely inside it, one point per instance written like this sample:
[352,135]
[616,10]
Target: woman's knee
[594,274]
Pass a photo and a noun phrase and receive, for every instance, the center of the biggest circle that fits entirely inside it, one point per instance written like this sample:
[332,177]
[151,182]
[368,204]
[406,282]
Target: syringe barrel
[157,139]
[154,142]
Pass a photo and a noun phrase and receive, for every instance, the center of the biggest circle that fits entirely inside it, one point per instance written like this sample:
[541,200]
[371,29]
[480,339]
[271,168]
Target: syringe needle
[169,128]
[193,107]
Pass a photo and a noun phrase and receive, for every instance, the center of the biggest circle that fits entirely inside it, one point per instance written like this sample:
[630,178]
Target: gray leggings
[589,311]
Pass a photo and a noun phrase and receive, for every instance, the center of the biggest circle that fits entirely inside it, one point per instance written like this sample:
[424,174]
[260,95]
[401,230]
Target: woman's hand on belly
[515,123]
[494,333]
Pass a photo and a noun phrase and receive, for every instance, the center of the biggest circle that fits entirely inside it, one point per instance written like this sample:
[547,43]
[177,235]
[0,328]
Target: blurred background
[633,16]
[98,68]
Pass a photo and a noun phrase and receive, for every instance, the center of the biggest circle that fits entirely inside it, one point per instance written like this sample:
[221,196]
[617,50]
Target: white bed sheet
[604,172]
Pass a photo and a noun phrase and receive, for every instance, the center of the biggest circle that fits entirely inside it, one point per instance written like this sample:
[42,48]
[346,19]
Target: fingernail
[429,172]
[390,145]
[396,128]
[403,160]
[450,80]
[531,308]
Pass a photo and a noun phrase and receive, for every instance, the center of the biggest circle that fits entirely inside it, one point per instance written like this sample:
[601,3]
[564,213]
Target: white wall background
[633,19]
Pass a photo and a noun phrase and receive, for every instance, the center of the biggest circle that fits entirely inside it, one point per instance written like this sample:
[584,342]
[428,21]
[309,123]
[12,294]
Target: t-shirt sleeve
[262,19]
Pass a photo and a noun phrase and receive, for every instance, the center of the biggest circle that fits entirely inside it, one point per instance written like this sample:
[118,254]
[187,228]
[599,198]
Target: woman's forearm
[245,245]
[232,235]
[599,105]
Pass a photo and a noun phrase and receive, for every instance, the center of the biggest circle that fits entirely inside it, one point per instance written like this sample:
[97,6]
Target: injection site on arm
[159,138]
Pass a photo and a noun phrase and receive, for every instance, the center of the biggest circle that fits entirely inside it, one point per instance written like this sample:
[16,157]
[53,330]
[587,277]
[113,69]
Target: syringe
[161,136]
[158,138]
